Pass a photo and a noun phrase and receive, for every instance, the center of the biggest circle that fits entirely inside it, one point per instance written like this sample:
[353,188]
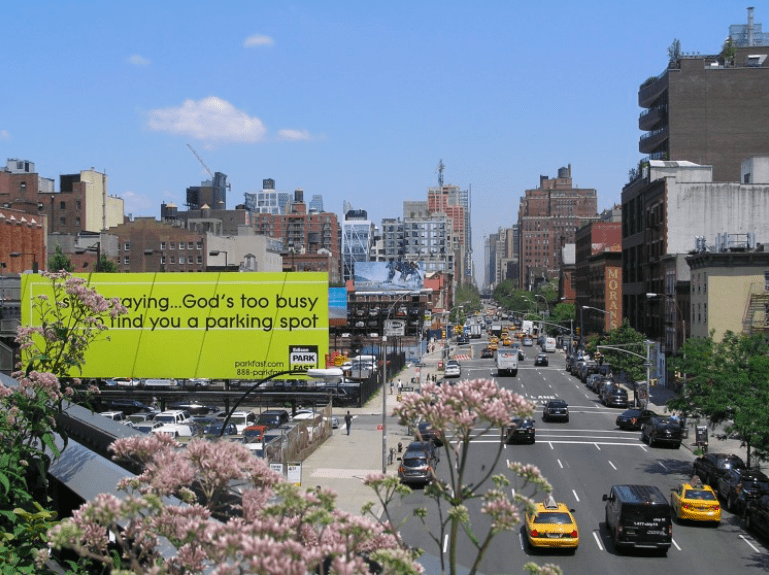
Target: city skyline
[353,102]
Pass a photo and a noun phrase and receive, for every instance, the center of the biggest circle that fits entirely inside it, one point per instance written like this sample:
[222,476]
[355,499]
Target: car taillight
[535,533]
[574,533]
[687,506]
[401,470]
[633,421]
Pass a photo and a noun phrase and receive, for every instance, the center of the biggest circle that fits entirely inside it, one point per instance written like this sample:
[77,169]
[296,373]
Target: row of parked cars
[599,379]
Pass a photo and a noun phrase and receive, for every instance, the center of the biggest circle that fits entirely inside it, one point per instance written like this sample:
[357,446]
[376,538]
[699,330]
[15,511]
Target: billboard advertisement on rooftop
[226,325]
[397,275]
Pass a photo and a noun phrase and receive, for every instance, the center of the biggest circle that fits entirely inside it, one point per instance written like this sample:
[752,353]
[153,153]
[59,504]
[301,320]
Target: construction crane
[201,161]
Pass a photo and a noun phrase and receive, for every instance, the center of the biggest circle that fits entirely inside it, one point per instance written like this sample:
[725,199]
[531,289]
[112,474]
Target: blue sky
[355,101]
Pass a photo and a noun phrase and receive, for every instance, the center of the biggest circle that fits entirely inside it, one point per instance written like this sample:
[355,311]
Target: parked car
[520,430]
[127,406]
[272,418]
[173,416]
[542,359]
[712,466]
[662,429]
[218,429]
[487,352]
[693,501]
[147,426]
[255,433]
[241,419]
[617,397]
[118,416]
[739,486]
[592,379]
[757,515]
[555,409]
[142,417]
[194,407]
[188,429]
[196,383]
[418,463]
[633,419]
[124,382]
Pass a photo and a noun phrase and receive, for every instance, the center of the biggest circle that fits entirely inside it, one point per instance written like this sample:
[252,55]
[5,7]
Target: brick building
[148,245]
[309,238]
[709,109]
[81,204]
[548,218]
[22,241]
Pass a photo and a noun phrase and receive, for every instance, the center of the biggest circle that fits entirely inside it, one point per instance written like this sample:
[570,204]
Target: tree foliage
[59,261]
[105,265]
[628,339]
[727,382]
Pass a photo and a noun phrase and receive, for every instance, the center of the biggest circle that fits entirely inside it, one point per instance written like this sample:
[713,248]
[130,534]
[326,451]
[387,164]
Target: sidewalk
[343,461]
[718,441]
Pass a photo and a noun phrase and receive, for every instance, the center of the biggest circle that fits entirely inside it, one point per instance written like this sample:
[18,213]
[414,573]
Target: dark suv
[555,409]
[712,466]
[616,397]
[273,418]
[757,515]
[662,429]
[739,486]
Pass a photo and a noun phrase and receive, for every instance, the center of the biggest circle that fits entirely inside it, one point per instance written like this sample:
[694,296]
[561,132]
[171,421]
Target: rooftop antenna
[441,167]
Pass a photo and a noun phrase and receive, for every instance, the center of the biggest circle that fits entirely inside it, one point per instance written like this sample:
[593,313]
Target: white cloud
[258,40]
[210,119]
[5,135]
[140,204]
[138,60]
[294,135]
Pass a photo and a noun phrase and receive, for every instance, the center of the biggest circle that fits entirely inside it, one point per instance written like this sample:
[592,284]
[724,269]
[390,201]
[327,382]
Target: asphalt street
[581,459]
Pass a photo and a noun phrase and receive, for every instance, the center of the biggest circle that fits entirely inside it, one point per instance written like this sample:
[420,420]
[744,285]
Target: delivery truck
[507,361]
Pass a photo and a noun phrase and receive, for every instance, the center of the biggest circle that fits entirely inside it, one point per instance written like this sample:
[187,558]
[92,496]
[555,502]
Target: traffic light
[577,331]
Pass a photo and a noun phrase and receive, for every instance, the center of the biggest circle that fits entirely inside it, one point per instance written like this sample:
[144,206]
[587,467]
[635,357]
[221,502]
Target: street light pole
[384,383]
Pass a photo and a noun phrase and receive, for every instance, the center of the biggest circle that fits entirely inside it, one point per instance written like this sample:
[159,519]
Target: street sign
[294,473]
[395,327]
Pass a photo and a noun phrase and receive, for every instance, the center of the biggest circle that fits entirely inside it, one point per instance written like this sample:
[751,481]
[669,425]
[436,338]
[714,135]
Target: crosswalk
[462,357]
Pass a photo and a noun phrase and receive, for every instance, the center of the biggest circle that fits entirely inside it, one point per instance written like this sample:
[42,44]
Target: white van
[549,345]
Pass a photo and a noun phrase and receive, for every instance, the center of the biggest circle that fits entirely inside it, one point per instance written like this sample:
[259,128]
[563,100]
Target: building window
[162,246]
[126,260]
[172,245]
[162,260]
[181,260]
[199,246]
[189,245]
[63,221]
[77,204]
[181,245]
[77,221]
[127,246]
[200,259]
[173,259]
[63,205]
[23,187]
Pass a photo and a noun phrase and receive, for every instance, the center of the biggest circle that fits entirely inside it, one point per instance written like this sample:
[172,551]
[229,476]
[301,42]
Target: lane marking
[445,542]
[597,447]
[559,463]
[661,465]
[575,495]
[613,467]
[597,540]
[676,544]
[745,539]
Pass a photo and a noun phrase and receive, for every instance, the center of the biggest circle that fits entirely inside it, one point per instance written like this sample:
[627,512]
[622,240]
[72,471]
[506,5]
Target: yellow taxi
[552,525]
[493,345]
[507,342]
[493,339]
[695,502]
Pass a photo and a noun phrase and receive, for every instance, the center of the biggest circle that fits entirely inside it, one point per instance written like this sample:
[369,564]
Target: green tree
[727,382]
[105,265]
[628,339]
[563,314]
[59,262]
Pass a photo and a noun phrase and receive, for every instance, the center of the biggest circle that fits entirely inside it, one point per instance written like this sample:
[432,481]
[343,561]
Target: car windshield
[414,462]
[701,494]
[214,429]
[553,517]
[557,404]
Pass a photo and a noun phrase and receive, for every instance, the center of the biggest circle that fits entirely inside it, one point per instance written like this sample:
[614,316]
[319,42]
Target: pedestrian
[400,386]
[391,386]
[348,421]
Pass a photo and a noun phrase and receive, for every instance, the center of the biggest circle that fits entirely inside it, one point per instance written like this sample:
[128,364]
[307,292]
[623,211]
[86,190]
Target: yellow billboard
[226,325]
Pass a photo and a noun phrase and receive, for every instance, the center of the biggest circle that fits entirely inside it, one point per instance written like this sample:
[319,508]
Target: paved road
[582,459]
